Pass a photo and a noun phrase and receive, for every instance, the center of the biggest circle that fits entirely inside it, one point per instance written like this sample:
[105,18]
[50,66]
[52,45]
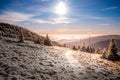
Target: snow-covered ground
[29,61]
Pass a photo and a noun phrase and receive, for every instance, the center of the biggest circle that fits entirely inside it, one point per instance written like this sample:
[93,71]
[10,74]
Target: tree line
[47,40]
[113,53]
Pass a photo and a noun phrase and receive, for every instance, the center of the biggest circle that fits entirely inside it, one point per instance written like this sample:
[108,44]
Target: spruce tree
[88,49]
[112,51]
[1,35]
[92,49]
[79,47]
[104,53]
[47,41]
[21,36]
[74,48]
[83,48]
[64,45]
[38,40]
[119,53]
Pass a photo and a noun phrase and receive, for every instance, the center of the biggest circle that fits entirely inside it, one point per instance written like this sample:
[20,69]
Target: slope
[14,31]
[29,61]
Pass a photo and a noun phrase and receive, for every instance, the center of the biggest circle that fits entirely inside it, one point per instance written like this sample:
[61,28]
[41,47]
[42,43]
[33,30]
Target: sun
[61,8]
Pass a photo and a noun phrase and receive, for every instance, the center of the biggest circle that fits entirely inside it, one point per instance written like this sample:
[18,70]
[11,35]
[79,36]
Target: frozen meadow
[29,61]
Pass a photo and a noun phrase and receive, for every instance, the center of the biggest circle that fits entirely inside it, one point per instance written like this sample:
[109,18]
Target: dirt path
[73,61]
[91,66]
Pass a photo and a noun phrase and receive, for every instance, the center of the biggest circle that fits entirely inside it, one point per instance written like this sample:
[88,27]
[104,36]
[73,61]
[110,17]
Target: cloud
[96,17]
[90,17]
[39,9]
[17,17]
[14,17]
[59,30]
[59,20]
[41,21]
[110,8]
[105,24]
[44,0]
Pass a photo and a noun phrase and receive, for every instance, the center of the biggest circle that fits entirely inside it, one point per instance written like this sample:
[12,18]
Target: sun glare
[61,8]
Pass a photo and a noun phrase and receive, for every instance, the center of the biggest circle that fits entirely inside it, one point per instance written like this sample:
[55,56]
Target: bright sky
[63,16]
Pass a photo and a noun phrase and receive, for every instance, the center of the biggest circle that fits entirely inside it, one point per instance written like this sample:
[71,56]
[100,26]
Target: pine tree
[83,48]
[112,51]
[47,41]
[99,51]
[1,35]
[119,52]
[104,53]
[64,45]
[38,41]
[74,48]
[92,49]
[21,36]
[79,47]
[88,49]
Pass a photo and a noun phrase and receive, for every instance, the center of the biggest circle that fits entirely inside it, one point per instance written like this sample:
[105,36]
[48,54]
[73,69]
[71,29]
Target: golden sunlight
[61,8]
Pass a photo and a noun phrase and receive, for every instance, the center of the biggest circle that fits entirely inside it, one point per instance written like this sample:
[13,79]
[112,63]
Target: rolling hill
[105,44]
[14,31]
[98,42]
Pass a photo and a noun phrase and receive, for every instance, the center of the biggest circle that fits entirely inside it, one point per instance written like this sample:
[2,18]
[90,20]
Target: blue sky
[82,16]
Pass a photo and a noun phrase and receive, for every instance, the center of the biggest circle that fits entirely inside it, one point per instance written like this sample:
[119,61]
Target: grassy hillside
[14,31]
[29,61]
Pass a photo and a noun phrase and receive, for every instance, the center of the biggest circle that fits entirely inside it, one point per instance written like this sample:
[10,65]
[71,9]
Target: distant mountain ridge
[105,44]
[14,31]
[98,42]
